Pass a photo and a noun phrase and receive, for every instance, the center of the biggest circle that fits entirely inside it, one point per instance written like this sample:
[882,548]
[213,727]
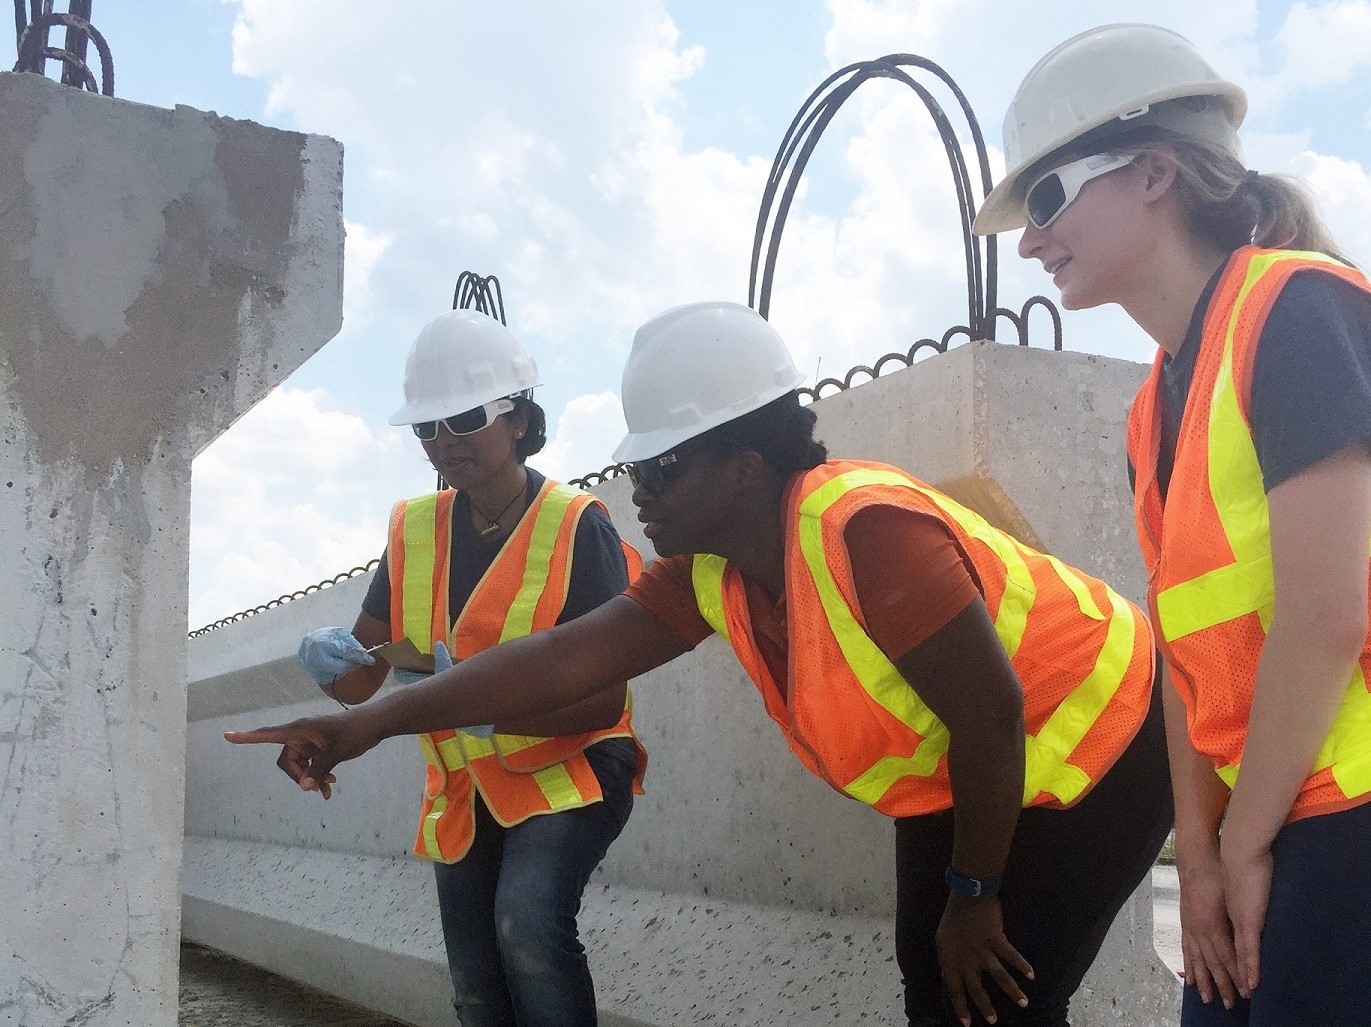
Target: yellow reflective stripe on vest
[707,575]
[557,787]
[420,538]
[1344,750]
[1046,769]
[429,828]
[432,757]
[1078,588]
[1247,585]
[880,678]
[1019,591]
[1239,494]
[541,546]
[1046,753]
[554,782]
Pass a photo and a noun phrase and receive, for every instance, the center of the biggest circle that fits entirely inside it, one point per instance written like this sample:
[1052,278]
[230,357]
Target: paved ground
[1166,931]
[219,991]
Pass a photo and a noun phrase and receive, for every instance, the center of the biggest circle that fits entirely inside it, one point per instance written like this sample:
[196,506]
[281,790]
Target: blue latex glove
[329,653]
[442,660]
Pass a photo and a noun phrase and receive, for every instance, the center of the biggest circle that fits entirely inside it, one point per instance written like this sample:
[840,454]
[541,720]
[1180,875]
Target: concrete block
[160,271]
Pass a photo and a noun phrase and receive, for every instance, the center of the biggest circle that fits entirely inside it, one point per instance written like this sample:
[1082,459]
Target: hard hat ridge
[695,367]
[1100,83]
[460,360]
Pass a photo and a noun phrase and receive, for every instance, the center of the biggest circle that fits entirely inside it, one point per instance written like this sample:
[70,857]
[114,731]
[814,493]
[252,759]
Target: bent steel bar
[482,294]
[31,35]
[803,136]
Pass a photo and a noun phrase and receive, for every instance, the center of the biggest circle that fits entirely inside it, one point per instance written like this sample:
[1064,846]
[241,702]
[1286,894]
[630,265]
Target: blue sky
[605,159]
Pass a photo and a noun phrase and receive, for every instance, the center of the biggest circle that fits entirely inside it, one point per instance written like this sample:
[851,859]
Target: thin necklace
[493,523]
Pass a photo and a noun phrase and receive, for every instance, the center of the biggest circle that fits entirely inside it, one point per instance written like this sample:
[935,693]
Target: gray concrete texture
[160,272]
[743,891]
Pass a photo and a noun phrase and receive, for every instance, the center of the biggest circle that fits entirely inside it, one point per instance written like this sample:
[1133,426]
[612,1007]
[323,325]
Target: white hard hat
[1128,75]
[461,360]
[696,367]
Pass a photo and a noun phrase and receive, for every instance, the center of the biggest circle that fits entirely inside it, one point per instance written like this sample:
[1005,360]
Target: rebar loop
[31,30]
[481,294]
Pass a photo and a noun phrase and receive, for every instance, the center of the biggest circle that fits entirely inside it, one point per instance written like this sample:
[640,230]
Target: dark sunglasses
[468,422]
[656,473]
[1053,192]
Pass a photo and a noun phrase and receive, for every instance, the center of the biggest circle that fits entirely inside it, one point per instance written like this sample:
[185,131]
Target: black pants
[1069,873]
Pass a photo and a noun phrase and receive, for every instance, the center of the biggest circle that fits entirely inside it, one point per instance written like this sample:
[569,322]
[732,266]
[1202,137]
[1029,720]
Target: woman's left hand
[972,946]
[1247,889]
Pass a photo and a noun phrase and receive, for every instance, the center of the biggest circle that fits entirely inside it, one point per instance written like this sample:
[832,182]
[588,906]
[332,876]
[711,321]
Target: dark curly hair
[781,433]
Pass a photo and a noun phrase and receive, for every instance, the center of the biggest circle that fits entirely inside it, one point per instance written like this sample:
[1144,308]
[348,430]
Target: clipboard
[404,655]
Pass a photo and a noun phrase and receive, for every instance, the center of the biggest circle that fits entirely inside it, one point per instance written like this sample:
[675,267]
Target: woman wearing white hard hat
[515,817]
[1252,484]
[916,658]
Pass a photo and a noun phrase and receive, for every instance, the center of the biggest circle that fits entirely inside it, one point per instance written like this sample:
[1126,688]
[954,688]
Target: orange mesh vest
[523,591]
[1083,654]
[1208,549]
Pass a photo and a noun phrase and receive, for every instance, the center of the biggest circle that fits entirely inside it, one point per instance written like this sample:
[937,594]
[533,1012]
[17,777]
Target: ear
[747,472]
[518,420]
[1159,170]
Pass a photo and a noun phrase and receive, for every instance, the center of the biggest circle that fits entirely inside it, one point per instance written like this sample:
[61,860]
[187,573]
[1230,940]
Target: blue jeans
[1316,945]
[509,906]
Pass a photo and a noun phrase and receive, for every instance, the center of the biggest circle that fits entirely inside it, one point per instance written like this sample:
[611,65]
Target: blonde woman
[1252,484]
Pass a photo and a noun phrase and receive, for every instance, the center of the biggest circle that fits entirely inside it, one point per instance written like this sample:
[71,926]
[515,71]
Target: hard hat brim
[1003,209]
[642,445]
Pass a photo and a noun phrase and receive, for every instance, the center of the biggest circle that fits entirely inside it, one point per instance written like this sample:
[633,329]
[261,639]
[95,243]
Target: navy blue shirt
[598,569]
[1311,380]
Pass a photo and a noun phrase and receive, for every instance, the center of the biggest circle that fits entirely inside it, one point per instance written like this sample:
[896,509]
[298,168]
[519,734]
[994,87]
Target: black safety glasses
[655,474]
[468,422]
[1053,192]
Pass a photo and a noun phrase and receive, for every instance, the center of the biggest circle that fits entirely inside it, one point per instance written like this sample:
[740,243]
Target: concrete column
[160,272]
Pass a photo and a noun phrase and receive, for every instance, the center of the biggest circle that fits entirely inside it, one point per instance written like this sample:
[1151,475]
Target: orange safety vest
[1083,653]
[1208,550]
[523,591]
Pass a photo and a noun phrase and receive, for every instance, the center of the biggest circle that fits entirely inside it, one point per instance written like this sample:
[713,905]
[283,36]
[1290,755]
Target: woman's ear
[1159,170]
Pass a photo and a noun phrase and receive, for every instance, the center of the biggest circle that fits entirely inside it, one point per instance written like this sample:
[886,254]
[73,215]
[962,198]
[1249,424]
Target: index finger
[998,973]
[278,735]
[1009,954]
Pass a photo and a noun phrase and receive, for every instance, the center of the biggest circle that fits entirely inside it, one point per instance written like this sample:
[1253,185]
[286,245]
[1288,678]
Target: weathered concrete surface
[160,271]
[743,891]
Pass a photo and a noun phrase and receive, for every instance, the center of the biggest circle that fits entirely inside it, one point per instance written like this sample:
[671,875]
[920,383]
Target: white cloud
[365,248]
[295,493]
[1343,189]
[1323,44]
[585,436]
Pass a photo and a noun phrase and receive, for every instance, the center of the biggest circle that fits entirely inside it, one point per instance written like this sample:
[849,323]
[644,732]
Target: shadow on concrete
[220,991]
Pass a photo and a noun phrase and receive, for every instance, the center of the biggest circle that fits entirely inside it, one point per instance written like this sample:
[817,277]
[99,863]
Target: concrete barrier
[160,272]
[743,891]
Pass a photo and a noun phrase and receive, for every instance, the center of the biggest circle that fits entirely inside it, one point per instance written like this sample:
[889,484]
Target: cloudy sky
[605,159]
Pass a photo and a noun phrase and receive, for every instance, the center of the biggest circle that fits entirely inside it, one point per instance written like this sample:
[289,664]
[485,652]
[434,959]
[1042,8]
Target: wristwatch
[971,887]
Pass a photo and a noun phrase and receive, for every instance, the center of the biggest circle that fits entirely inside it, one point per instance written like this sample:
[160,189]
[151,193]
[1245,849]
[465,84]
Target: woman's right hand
[312,746]
[1211,960]
[329,653]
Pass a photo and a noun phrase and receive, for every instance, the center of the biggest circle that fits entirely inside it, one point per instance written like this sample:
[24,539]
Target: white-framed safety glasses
[1053,191]
[468,422]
